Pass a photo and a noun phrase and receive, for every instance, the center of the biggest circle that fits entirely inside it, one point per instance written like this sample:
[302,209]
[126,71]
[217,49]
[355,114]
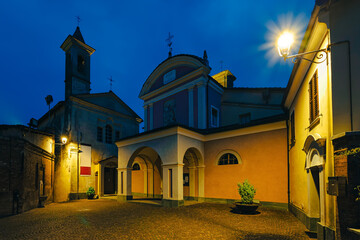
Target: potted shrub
[90,193]
[247,193]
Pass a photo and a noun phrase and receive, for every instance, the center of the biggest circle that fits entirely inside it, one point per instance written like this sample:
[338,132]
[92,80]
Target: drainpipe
[288,158]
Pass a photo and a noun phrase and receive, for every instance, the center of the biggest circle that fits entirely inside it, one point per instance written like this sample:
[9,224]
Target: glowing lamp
[64,140]
[284,44]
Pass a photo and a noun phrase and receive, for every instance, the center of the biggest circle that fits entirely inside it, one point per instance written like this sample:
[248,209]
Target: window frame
[228,151]
[101,139]
[135,163]
[108,134]
[314,107]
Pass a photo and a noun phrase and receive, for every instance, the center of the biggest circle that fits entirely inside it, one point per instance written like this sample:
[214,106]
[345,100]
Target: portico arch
[193,186]
[149,179]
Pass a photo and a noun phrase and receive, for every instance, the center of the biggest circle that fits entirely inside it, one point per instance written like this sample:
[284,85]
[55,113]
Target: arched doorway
[316,183]
[142,177]
[146,178]
[192,174]
[315,150]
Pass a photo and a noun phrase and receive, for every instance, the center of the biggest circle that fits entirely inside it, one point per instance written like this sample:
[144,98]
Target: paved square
[108,219]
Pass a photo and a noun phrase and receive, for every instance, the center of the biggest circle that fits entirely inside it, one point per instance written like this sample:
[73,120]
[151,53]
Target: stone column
[192,183]
[173,185]
[124,184]
[201,176]
[101,177]
[150,181]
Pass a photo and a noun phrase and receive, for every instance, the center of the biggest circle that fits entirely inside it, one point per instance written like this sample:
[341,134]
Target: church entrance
[110,177]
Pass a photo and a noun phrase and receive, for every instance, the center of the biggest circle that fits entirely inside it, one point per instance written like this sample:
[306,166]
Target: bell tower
[77,64]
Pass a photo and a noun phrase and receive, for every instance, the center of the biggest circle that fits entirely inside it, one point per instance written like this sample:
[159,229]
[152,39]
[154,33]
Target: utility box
[336,186]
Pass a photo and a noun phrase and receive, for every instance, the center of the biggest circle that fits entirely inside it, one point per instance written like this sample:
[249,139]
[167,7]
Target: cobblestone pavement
[108,219]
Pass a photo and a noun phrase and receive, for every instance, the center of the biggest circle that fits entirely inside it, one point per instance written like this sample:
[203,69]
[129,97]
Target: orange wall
[137,181]
[264,163]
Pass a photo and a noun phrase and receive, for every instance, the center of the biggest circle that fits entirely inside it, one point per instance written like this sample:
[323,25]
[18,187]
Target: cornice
[100,108]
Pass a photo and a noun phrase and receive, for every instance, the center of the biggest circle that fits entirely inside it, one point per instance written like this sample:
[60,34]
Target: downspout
[288,160]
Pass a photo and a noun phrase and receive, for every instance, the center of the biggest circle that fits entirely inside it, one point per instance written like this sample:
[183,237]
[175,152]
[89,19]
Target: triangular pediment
[110,101]
[172,71]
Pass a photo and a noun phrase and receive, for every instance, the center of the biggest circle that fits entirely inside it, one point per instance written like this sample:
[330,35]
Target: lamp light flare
[64,140]
[284,43]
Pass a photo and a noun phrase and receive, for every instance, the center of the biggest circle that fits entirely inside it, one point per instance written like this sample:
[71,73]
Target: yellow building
[323,110]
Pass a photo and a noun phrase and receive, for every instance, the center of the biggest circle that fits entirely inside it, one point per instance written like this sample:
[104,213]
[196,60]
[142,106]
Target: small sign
[85,161]
[170,76]
[186,179]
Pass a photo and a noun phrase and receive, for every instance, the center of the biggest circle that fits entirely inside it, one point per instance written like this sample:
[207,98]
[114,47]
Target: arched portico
[165,151]
[193,186]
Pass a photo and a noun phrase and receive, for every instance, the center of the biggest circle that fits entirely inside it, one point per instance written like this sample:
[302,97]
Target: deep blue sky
[129,38]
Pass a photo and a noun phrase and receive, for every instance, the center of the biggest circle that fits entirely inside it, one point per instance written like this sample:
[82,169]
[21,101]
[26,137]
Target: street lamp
[64,139]
[284,46]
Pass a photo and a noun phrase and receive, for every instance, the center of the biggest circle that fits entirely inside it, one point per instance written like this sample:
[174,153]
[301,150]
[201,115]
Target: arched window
[228,158]
[136,167]
[108,134]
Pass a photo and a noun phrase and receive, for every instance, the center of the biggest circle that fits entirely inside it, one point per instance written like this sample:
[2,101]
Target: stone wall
[26,170]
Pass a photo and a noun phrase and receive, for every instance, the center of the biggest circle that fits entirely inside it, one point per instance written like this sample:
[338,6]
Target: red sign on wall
[85,161]
[85,171]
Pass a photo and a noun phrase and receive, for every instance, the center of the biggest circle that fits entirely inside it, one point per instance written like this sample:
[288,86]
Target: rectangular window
[292,129]
[117,135]
[99,134]
[314,100]
[214,117]
[244,118]
[108,134]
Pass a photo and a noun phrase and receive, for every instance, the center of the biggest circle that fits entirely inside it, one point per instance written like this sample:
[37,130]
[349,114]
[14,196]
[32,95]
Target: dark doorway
[110,180]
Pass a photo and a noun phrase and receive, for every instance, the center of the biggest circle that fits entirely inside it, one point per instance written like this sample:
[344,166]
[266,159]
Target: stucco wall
[264,164]
[302,193]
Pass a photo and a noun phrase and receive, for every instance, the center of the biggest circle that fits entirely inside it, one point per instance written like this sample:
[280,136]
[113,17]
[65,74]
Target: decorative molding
[176,90]
[176,130]
[198,72]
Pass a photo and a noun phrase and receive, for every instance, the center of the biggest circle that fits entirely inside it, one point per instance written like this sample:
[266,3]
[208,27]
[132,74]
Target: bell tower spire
[77,64]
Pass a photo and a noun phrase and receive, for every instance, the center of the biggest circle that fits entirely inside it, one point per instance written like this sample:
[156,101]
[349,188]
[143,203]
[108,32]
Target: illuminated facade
[92,122]
[324,122]
[202,137]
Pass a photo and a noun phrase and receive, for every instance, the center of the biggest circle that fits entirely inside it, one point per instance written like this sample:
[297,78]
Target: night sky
[129,38]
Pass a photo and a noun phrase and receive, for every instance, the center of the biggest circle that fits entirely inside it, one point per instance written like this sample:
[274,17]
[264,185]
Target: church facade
[201,138]
[91,122]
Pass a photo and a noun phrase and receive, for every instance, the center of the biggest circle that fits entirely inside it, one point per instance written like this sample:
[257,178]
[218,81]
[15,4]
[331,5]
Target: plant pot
[91,196]
[246,208]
